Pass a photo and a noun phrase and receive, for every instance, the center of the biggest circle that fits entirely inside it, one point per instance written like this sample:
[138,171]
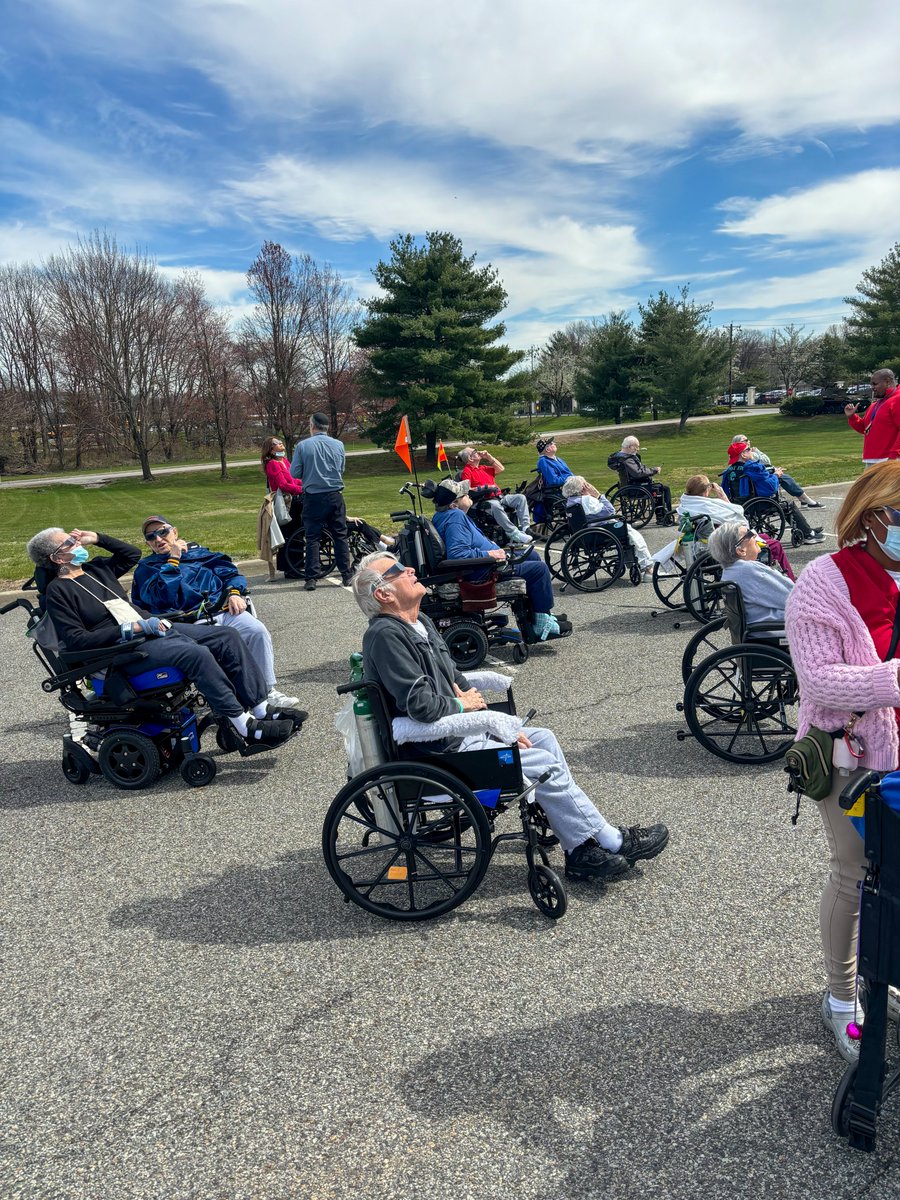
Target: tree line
[104,354]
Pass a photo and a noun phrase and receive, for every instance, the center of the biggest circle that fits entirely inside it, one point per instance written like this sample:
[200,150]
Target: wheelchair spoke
[368,892]
[370,825]
[380,848]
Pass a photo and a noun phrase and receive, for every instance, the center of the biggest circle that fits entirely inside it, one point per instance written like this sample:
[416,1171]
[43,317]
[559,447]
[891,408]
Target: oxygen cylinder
[369,741]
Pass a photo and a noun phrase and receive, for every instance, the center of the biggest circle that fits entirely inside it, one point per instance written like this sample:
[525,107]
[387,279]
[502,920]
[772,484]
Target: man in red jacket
[880,426]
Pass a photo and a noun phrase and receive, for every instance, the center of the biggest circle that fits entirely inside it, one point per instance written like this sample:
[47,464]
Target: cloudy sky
[593,152]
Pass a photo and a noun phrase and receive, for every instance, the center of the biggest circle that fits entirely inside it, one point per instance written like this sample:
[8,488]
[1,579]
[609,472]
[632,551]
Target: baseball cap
[543,442]
[157,520]
[735,450]
[449,490]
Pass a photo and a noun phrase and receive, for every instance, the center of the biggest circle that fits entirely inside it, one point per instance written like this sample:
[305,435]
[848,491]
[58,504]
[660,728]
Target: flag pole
[412,458]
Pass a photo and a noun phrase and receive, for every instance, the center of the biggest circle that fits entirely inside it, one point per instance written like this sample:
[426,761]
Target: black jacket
[80,619]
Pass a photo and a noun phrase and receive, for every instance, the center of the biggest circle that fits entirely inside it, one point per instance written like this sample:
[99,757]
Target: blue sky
[593,153]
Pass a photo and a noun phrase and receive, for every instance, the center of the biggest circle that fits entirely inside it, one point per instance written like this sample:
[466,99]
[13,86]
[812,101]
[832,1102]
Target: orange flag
[442,459]
[403,442]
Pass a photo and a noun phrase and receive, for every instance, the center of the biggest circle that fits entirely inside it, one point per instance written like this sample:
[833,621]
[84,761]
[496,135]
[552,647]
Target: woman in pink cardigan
[279,478]
[839,622]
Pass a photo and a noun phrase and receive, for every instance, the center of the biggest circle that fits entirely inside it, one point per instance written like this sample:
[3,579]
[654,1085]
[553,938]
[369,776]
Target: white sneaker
[280,700]
[521,539]
[836,1023]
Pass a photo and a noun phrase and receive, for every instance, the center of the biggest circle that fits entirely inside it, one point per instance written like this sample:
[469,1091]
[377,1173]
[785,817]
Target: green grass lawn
[223,514]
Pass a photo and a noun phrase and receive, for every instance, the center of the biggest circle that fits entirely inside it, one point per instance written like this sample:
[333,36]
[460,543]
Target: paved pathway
[109,476]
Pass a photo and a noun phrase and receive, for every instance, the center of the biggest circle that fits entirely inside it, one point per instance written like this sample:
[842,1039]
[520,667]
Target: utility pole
[730,366]
[531,352]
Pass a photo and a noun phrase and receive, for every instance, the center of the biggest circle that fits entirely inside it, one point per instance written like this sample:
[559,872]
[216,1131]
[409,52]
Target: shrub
[801,406]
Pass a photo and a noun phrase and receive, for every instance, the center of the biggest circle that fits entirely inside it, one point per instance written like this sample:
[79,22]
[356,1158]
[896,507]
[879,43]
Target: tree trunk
[683,420]
[431,449]
[144,459]
[223,460]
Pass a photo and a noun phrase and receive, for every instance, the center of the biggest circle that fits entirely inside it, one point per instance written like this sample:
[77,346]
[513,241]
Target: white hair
[366,580]
[884,375]
[573,486]
[467,454]
[43,545]
[723,542]
[630,442]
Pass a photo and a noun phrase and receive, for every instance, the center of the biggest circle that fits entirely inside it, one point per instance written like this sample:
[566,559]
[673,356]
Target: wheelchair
[480,513]
[294,551]
[126,723]
[740,701]
[637,503]
[766,514]
[865,1084]
[468,616]
[668,578]
[591,555]
[411,840]
[546,505]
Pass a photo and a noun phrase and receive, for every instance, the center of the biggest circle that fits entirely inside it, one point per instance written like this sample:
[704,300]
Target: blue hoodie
[164,585]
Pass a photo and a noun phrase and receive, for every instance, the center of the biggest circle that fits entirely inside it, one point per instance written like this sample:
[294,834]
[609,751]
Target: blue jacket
[463,539]
[161,585]
[554,471]
[737,480]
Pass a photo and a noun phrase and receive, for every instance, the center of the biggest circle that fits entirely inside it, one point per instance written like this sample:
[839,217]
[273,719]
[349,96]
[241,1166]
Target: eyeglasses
[65,545]
[746,536]
[160,532]
[392,572]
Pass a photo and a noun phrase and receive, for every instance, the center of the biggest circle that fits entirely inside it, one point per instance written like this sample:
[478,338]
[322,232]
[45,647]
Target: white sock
[260,710]
[841,1006]
[240,723]
[609,838]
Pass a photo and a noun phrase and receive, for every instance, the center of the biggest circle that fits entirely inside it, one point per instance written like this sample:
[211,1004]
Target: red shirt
[480,476]
[880,427]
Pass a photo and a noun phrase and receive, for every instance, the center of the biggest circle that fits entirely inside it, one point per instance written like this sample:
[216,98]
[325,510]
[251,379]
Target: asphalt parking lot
[190,1010]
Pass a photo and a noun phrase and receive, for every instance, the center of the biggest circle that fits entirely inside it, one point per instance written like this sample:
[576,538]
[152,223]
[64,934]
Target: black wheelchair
[865,1084]
[669,578]
[411,840]
[294,550]
[546,505]
[740,700]
[590,555]
[482,515]
[637,503]
[766,514]
[127,723]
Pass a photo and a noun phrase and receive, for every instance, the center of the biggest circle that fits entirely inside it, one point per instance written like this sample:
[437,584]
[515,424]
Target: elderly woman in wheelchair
[765,590]
[127,654]
[407,841]
[599,511]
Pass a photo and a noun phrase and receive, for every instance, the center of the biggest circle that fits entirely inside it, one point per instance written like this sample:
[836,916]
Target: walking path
[109,476]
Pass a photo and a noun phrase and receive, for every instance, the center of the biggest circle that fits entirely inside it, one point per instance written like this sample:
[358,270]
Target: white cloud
[223,288]
[575,79]
[861,206]
[828,285]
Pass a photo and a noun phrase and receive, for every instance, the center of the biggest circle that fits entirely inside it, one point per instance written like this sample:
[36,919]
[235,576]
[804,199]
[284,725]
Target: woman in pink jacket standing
[279,478]
[840,623]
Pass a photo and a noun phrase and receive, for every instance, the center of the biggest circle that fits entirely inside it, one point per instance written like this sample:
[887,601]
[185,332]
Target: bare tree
[217,362]
[334,314]
[276,337]
[791,354]
[118,309]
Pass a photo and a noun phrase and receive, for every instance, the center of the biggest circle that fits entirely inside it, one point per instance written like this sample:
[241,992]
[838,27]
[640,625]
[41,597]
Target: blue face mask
[80,555]
[279,453]
[891,543]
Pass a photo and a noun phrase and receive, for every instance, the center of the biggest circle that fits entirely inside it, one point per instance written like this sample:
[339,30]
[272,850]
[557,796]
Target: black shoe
[590,861]
[638,842]
[296,715]
[271,732]
[309,586]
[346,580]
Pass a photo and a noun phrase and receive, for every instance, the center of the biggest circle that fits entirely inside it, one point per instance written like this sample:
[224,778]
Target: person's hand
[850,409]
[87,537]
[592,491]
[472,700]
[236,605]
[717,491]
[153,627]
[523,742]
[178,548]
[656,470]
[779,471]
[500,555]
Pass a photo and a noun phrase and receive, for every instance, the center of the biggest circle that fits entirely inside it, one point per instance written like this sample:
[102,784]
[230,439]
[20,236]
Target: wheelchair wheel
[765,516]
[74,769]
[797,538]
[360,546]
[198,770]
[520,652]
[294,554]
[740,703]
[129,759]
[843,1098]
[707,640]
[592,559]
[668,582]
[553,548]
[326,554]
[542,827]
[548,892]
[375,852]
[634,505]
[467,643]
[701,603]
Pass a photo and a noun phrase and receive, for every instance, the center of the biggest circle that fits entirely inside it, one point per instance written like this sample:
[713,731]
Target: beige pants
[839,906]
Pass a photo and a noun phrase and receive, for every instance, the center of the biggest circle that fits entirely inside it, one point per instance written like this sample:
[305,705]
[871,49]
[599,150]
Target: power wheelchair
[740,701]
[411,840]
[590,555]
[766,514]
[637,503]
[468,615]
[127,723]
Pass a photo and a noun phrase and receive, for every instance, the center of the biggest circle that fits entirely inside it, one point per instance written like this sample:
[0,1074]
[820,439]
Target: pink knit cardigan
[838,666]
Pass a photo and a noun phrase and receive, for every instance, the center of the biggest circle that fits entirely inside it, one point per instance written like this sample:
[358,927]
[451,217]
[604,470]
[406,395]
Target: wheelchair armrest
[461,566]
[21,602]
[760,627]
[109,656]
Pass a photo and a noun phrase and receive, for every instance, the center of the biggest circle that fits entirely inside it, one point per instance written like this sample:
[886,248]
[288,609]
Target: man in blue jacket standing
[180,576]
[319,461]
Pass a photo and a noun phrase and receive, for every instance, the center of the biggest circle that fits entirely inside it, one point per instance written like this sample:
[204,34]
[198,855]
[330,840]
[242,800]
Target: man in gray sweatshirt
[403,651]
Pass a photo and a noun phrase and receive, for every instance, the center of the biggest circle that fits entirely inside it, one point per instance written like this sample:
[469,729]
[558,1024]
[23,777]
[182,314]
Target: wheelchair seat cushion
[503,726]
[145,680]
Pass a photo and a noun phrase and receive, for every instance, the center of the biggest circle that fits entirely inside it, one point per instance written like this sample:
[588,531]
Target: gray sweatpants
[573,816]
[257,638]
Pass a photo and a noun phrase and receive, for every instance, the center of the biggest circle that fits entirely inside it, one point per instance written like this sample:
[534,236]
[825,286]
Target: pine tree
[432,353]
[873,327]
[604,387]
[682,356]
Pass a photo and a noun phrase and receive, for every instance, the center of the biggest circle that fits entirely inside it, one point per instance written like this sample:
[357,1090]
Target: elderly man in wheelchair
[754,486]
[404,654]
[123,649]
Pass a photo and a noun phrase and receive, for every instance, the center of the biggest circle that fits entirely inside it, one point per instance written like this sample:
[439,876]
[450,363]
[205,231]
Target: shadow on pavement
[656,1100]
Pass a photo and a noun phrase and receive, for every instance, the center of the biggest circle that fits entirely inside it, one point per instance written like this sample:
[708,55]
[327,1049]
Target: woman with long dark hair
[277,469]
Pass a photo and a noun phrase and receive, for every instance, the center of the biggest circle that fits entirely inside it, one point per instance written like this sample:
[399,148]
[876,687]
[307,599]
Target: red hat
[735,450]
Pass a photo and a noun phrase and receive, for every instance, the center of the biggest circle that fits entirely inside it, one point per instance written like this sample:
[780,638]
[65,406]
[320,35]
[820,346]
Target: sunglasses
[392,572]
[746,537]
[152,534]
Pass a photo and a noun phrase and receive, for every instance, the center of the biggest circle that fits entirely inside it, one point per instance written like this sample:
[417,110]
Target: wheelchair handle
[343,688]
[20,602]
[526,720]
[402,516]
[854,790]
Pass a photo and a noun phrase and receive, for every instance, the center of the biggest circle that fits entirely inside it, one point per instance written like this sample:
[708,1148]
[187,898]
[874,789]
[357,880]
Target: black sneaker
[271,732]
[346,581]
[297,715]
[590,861]
[638,842]
[309,586]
